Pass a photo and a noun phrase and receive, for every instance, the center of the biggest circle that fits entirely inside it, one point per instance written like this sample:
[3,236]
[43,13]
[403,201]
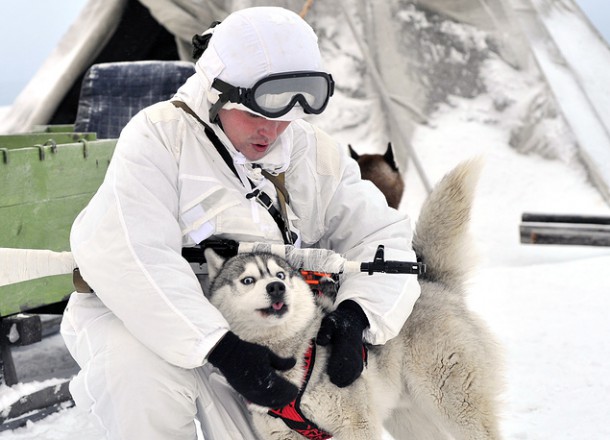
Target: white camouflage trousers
[134,394]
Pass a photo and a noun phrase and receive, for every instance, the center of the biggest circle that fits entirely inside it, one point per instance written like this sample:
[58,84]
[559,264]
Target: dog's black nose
[276,290]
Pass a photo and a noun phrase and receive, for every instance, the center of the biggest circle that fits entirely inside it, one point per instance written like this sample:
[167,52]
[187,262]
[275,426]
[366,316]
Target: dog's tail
[441,238]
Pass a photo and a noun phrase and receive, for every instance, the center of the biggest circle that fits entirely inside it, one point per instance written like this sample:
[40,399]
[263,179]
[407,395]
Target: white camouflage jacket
[167,187]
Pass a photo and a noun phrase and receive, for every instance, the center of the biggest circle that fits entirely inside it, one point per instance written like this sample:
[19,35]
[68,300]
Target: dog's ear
[214,262]
[389,157]
[353,153]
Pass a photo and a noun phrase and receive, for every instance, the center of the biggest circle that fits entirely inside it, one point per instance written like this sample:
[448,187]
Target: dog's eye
[281,275]
[247,280]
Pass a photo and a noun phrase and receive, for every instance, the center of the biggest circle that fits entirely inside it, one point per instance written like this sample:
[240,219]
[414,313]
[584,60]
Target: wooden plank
[35,416]
[68,170]
[8,372]
[39,200]
[29,295]
[23,140]
[55,128]
[44,225]
[37,401]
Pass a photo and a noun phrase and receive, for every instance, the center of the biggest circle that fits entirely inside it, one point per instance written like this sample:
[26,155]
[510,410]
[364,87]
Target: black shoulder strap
[280,217]
[210,134]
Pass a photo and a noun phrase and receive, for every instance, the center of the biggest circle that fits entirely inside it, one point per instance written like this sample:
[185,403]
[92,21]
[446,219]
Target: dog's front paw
[326,293]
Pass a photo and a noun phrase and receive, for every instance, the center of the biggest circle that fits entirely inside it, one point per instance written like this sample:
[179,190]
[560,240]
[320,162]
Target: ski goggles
[275,95]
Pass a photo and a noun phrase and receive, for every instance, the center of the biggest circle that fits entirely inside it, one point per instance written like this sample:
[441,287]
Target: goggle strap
[229,92]
[216,108]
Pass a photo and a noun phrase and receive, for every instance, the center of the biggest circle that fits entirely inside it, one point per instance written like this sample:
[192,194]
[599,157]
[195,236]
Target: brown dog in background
[381,169]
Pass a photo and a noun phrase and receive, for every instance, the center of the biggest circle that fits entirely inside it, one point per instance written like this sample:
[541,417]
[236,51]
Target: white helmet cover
[252,43]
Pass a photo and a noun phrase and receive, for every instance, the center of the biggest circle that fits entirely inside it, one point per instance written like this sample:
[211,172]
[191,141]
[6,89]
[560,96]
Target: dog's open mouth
[276,309]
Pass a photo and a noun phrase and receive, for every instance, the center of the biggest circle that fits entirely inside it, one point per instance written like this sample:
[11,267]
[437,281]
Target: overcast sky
[598,12]
[30,29]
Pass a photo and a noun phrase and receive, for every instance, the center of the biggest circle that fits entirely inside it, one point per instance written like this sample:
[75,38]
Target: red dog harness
[292,415]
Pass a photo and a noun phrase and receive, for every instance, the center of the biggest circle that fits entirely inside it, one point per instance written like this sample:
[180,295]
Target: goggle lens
[275,95]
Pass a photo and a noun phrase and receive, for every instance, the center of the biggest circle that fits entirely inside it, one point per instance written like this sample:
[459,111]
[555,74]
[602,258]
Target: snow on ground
[548,305]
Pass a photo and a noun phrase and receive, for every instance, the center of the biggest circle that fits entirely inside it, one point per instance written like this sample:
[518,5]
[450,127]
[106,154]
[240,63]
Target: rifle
[229,248]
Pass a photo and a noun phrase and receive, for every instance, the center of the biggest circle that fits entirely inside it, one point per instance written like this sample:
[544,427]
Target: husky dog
[381,169]
[436,379]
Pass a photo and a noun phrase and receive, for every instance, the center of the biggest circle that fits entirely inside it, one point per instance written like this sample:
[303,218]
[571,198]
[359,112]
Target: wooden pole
[565,218]
[306,8]
[565,233]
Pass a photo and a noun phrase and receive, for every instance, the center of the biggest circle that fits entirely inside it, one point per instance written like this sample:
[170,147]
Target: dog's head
[382,170]
[260,295]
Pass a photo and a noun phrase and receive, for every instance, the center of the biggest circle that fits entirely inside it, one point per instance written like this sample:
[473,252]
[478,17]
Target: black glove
[343,329]
[250,369]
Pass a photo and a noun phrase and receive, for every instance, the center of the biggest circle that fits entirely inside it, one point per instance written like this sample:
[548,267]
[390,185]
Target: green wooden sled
[43,188]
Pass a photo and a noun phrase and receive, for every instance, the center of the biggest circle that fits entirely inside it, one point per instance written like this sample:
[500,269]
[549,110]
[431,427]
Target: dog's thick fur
[438,377]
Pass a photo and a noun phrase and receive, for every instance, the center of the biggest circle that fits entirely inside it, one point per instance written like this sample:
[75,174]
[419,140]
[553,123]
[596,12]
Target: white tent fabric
[575,69]
[409,74]
[76,50]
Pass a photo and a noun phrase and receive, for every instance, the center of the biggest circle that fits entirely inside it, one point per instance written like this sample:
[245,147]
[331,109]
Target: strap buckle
[262,197]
